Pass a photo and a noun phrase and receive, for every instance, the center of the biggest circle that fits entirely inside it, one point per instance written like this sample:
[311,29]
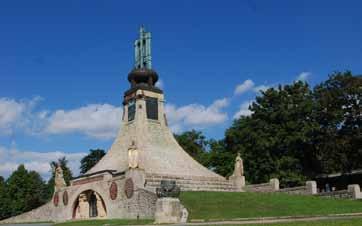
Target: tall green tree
[339,141]
[90,160]
[275,141]
[4,201]
[25,191]
[195,144]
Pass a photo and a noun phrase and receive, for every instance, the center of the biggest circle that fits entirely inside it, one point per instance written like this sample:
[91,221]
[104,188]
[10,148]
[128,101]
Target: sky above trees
[63,65]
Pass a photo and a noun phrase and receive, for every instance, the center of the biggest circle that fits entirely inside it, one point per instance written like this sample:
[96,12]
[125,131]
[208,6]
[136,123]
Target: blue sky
[63,64]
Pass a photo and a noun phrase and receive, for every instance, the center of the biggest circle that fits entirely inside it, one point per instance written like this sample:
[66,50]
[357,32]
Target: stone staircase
[190,183]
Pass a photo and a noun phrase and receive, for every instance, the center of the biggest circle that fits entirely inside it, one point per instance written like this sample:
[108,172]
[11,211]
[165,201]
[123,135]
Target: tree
[91,160]
[67,173]
[195,144]
[4,207]
[275,141]
[25,191]
[339,140]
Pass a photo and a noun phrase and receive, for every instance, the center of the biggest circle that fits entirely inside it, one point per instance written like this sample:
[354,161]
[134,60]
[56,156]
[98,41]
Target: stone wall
[272,186]
[310,188]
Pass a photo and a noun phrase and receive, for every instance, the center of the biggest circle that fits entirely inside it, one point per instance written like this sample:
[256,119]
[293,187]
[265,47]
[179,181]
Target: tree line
[294,133]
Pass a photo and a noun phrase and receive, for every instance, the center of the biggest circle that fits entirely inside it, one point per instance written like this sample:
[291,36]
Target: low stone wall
[352,192]
[310,188]
[272,186]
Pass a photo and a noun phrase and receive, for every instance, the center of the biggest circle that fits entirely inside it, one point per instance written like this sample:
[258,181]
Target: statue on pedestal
[59,178]
[239,166]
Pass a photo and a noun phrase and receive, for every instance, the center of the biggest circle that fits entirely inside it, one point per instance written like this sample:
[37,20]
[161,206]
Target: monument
[123,183]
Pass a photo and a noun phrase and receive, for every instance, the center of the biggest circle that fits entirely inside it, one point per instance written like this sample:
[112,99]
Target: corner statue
[239,166]
[59,178]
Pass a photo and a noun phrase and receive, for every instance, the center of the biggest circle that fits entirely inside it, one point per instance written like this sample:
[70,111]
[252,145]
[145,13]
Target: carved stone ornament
[113,190]
[65,198]
[168,189]
[129,188]
[56,199]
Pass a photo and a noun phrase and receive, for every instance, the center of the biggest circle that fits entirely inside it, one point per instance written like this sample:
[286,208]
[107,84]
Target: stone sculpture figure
[100,208]
[83,208]
[239,166]
[59,178]
[133,156]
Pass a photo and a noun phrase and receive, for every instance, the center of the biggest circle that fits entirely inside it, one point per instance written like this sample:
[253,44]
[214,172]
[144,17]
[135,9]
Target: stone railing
[272,186]
[352,192]
[310,188]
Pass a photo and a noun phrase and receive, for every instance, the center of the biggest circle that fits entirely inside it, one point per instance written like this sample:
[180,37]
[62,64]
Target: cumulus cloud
[260,88]
[96,120]
[303,76]
[243,110]
[244,87]
[196,115]
[11,158]
[160,84]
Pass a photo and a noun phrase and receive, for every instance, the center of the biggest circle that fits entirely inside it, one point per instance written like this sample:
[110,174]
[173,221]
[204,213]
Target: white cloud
[196,115]
[11,158]
[96,120]
[260,88]
[244,110]
[304,76]
[244,87]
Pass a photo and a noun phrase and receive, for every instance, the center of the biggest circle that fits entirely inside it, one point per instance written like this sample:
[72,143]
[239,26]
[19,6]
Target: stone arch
[89,204]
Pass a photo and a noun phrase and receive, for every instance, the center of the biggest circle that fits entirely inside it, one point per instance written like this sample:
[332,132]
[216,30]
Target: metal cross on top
[142,47]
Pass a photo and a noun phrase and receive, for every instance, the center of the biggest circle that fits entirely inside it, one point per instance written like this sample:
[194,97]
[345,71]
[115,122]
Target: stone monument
[123,183]
[59,181]
[238,177]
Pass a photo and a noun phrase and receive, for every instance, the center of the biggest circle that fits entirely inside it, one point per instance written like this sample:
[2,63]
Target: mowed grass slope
[229,205]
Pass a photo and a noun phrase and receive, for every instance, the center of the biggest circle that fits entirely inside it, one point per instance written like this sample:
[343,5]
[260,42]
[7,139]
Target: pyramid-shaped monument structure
[144,130]
[123,183]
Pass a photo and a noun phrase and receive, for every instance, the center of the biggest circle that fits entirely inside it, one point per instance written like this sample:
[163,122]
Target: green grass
[224,205]
[353,222]
[103,222]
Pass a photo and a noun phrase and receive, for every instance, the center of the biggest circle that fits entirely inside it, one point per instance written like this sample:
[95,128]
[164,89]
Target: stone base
[138,177]
[168,211]
[238,181]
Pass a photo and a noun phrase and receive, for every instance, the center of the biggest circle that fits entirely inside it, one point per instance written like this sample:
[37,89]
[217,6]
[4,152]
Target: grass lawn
[103,222]
[354,222]
[227,205]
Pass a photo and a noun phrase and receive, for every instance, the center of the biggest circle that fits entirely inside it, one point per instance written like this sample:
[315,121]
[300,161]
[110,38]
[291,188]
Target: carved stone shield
[56,199]
[113,190]
[65,198]
[129,188]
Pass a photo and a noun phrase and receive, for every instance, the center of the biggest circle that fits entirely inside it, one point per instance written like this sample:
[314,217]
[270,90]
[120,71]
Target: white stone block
[355,190]
[274,183]
[168,211]
[238,182]
[311,187]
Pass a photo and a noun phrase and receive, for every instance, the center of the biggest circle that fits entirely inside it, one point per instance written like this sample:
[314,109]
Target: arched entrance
[89,204]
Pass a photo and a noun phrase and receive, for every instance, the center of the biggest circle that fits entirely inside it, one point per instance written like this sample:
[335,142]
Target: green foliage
[67,173]
[91,160]
[195,144]
[230,205]
[24,191]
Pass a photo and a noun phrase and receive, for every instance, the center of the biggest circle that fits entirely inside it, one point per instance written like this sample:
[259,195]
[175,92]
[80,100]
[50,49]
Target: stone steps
[192,185]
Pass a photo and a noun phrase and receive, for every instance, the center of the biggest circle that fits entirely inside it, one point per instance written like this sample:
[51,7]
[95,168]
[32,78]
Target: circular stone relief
[65,198]
[56,199]
[113,190]
[129,188]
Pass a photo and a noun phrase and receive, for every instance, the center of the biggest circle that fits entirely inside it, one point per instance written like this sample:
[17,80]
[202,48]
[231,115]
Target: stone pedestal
[238,181]
[274,184]
[168,211]
[355,190]
[138,177]
[311,187]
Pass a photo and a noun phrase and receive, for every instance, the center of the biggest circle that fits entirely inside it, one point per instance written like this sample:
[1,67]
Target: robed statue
[59,177]
[239,166]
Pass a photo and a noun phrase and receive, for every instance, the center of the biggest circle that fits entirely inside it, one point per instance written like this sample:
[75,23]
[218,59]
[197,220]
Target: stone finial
[239,166]
[133,156]
[59,178]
